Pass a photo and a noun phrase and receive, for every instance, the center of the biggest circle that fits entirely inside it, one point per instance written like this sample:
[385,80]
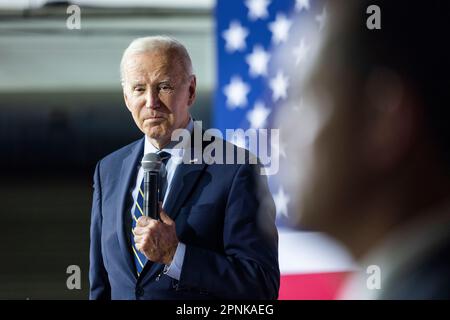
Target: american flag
[251,86]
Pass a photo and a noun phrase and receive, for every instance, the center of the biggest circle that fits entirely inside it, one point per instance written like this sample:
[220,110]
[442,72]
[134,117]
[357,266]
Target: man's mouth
[153,117]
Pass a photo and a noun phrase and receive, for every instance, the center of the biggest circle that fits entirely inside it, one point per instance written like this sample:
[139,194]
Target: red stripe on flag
[316,286]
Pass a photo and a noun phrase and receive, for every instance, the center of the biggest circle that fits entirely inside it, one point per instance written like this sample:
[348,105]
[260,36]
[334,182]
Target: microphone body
[151,163]
[151,189]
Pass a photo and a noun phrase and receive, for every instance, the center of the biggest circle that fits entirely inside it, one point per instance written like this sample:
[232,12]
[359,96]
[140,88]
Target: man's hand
[157,240]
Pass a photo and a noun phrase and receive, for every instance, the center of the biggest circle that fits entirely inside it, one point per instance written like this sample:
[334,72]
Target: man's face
[158,92]
[331,175]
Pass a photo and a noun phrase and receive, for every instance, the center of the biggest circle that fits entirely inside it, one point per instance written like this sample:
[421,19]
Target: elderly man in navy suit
[216,238]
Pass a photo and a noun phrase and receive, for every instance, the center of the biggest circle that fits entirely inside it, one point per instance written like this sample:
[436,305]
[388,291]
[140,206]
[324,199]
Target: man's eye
[165,87]
[139,89]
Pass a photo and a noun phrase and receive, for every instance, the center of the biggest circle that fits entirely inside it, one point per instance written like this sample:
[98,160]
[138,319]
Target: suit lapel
[127,172]
[186,176]
[183,182]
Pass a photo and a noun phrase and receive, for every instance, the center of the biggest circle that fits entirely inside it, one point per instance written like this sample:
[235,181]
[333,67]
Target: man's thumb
[164,217]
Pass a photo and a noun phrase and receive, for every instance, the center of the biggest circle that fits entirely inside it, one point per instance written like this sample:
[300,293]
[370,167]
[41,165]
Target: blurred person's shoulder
[426,278]
[411,263]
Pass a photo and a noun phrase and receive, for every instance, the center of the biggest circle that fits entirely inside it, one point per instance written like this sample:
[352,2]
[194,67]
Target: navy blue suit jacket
[224,213]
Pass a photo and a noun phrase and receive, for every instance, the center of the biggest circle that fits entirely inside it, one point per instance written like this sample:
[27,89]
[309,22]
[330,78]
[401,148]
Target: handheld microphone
[151,163]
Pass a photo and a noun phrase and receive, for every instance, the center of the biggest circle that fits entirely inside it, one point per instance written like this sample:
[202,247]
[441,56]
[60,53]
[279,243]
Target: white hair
[154,43]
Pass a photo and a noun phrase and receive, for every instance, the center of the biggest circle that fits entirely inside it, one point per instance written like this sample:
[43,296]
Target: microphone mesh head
[151,162]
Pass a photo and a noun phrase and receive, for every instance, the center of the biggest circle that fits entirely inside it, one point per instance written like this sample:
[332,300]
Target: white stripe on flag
[311,252]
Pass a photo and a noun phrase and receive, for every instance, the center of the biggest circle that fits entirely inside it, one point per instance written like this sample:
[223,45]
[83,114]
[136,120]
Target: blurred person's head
[158,86]
[379,156]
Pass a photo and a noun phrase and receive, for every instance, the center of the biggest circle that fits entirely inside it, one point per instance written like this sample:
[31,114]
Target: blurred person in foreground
[375,171]
[216,238]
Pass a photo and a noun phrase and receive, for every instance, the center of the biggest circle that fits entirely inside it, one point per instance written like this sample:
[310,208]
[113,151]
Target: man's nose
[151,100]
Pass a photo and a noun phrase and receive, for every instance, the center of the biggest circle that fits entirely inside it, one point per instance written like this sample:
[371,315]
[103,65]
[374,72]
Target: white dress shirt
[174,269]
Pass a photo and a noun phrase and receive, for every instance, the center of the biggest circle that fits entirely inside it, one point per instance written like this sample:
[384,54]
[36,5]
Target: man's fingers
[163,215]
[144,230]
[165,218]
[137,239]
[143,221]
[139,231]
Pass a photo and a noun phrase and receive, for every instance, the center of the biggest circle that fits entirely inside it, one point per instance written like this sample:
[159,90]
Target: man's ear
[192,90]
[392,119]
[125,97]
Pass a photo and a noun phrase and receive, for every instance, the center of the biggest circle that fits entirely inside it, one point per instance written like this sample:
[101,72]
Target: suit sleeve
[249,268]
[98,277]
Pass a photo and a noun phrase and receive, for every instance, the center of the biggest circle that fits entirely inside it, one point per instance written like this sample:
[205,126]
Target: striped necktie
[165,156]
[139,258]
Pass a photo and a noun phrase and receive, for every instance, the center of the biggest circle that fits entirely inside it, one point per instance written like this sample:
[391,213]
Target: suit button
[139,292]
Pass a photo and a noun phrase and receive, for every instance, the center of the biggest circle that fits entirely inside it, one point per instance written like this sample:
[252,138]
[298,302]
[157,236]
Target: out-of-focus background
[61,110]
